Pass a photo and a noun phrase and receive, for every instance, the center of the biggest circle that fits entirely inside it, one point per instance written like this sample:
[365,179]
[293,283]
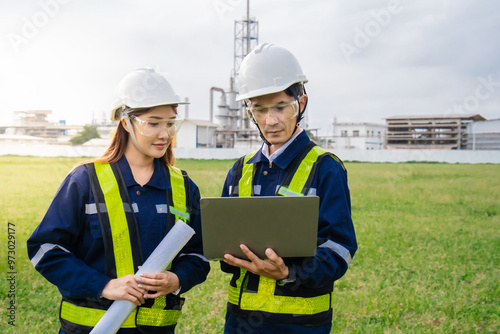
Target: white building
[35,123]
[363,136]
[196,134]
[484,135]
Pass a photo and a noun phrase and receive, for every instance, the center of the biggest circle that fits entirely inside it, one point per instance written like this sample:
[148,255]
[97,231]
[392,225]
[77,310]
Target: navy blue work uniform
[67,247]
[314,276]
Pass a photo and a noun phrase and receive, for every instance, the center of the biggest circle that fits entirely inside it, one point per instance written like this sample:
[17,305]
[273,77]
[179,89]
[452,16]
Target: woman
[109,215]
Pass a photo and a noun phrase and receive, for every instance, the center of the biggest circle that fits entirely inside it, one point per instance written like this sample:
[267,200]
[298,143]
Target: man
[286,295]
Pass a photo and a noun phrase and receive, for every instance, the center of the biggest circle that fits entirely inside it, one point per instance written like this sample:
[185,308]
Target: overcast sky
[365,60]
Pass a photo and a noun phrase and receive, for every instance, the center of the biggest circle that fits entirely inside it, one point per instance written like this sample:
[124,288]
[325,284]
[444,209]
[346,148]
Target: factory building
[35,124]
[430,132]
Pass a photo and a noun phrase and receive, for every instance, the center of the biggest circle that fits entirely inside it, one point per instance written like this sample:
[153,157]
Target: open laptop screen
[287,224]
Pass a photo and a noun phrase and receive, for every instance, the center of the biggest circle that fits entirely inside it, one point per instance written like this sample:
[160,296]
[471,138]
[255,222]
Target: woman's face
[155,130]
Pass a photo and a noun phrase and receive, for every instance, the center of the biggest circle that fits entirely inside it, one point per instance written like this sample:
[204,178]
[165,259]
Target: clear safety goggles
[282,111]
[154,128]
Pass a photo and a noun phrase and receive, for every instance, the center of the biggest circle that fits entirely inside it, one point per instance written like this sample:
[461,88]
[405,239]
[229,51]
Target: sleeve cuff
[176,292]
[292,276]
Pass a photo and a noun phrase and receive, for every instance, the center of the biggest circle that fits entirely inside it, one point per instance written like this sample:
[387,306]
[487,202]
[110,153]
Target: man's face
[276,128]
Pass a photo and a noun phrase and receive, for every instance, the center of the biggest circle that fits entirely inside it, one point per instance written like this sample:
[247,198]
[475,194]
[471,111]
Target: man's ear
[303,101]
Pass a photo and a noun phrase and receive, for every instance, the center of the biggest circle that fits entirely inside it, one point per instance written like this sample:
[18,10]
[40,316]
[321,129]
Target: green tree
[89,132]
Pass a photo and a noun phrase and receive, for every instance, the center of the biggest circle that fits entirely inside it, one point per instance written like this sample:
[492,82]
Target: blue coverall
[67,246]
[334,225]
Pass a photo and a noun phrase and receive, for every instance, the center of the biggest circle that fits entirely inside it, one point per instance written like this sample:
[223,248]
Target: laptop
[287,224]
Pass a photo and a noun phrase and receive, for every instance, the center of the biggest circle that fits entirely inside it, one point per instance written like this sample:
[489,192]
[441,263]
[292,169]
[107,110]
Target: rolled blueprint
[163,254]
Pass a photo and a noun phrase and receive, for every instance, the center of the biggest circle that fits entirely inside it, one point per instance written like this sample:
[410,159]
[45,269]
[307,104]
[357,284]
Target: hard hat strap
[292,89]
[132,134]
[258,127]
[300,116]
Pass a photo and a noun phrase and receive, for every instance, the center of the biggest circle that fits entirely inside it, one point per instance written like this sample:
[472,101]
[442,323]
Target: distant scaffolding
[429,132]
[246,37]
[235,129]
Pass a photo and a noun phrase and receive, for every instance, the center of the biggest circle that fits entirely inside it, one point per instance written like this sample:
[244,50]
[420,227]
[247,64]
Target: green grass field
[427,262]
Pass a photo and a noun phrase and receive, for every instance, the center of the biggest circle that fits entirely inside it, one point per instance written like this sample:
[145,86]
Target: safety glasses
[282,111]
[154,128]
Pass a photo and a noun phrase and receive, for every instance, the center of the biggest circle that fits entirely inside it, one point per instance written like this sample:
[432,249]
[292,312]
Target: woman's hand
[124,288]
[163,283]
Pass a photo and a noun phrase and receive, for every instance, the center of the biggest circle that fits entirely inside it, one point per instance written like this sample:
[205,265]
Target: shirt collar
[158,180]
[294,147]
[272,157]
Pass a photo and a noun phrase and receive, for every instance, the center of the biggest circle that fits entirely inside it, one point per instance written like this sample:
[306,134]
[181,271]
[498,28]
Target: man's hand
[163,283]
[274,267]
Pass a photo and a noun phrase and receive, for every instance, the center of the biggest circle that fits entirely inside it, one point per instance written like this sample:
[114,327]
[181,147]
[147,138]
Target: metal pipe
[186,108]
[212,100]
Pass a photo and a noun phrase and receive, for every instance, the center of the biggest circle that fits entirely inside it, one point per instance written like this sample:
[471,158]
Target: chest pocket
[92,219]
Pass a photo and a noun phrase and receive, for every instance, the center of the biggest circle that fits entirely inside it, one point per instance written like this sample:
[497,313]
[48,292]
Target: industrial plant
[228,126]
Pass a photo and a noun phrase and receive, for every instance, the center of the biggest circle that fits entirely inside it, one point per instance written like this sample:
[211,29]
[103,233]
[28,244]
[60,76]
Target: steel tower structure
[246,37]
[234,125]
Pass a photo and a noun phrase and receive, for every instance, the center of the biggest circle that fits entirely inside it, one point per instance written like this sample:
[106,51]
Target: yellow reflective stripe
[159,318]
[245,183]
[178,197]
[285,304]
[159,304]
[87,316]
[266,286]
[300,177]
[284,191]
[233,292]
[178,193]
[122,248]
[265,300]
[233,295]
[156,315]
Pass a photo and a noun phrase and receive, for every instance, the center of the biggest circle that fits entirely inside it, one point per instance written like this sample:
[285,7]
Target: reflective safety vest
[123,250]
[309,305]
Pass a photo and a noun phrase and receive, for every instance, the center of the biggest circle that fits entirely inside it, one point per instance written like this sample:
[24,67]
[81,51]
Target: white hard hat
[143,88]
[268,69]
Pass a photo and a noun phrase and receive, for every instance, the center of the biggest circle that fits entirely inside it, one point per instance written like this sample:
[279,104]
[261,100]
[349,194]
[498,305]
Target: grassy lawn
[427,262]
